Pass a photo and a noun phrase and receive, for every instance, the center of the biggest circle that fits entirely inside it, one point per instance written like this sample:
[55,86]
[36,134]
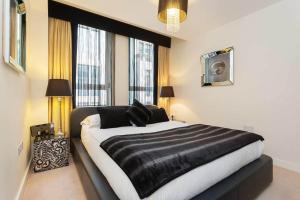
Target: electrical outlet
[20,148]
[248,128]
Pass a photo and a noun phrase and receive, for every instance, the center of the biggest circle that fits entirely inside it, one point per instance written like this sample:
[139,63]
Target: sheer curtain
[141,72]
[95,67]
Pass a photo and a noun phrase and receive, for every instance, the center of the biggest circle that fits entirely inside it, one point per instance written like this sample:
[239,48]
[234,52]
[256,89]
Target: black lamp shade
[167,91]
[58,88]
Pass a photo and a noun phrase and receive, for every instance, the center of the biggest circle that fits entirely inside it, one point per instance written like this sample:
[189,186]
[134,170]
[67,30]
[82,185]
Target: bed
[234,180]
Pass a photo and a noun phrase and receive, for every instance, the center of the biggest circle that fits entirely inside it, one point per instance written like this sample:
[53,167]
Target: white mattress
[184,187]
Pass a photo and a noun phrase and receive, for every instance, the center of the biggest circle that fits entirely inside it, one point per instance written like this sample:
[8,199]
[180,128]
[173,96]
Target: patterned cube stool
[50,153]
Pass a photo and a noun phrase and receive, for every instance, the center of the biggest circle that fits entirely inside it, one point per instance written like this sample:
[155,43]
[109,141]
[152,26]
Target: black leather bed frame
[245,184]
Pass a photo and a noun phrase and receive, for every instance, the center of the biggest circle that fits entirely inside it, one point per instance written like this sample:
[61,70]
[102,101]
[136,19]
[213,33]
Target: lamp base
[60,134]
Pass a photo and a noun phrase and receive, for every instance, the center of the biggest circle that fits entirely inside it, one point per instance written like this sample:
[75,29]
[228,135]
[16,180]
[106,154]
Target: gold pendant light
[172,13]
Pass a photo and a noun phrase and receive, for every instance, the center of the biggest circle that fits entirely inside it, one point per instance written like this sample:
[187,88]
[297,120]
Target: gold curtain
[163,76]
[60,67]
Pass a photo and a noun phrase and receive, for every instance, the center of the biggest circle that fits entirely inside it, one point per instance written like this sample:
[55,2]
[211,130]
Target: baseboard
[287,165]
[21,187]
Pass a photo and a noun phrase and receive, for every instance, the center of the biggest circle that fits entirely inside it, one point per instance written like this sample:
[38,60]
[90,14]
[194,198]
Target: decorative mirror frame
[227,63]
[8,59]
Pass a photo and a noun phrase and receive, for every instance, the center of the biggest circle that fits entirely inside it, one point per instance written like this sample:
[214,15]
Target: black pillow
[113,116]
[137,116]
[142,107]
[151,107]
[159,115]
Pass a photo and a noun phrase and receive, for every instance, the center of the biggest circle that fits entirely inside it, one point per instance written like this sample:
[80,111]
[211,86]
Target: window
[93,67]
[141,72]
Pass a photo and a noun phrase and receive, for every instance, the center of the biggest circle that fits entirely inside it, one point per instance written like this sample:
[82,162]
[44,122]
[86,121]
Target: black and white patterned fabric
[50,154]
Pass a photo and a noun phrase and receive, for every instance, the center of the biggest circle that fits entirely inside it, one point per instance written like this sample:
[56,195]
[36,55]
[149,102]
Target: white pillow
[92,121]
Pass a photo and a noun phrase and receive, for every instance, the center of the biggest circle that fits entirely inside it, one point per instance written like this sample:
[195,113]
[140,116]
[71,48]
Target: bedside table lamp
[59,88]
[167,92]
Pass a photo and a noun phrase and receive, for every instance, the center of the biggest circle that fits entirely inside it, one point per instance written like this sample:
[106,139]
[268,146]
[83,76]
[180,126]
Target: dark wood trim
[79,16]
[155,77]
[129,63]
[74,27]
[155,90]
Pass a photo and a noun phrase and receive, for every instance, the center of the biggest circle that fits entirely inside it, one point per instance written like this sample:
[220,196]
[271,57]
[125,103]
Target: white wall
[265,94]
[37,58]
[23,101]
[14,126]
[121,70]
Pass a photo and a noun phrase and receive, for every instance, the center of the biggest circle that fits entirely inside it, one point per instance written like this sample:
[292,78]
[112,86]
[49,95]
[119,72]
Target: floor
[64,184]
[58,184]
[285,186]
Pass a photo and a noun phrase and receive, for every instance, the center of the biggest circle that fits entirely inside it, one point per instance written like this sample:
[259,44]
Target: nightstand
[50,152]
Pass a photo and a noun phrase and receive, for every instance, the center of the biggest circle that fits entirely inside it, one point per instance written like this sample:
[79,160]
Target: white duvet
[184,187]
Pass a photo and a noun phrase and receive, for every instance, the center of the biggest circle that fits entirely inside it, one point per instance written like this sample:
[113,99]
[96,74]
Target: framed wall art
[217,68]
[14,34]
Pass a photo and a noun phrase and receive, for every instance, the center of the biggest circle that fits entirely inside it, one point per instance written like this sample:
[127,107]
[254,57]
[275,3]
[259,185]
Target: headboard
[77,116]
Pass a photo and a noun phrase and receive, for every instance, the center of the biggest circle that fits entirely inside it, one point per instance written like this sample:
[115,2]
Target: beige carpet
[57,184]
[64,184]
[285,186]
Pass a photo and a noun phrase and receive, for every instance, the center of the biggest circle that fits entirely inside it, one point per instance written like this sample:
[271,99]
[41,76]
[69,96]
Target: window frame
[75,27]
[155,70]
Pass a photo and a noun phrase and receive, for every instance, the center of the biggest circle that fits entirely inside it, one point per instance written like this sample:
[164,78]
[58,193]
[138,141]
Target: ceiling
[203,15]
